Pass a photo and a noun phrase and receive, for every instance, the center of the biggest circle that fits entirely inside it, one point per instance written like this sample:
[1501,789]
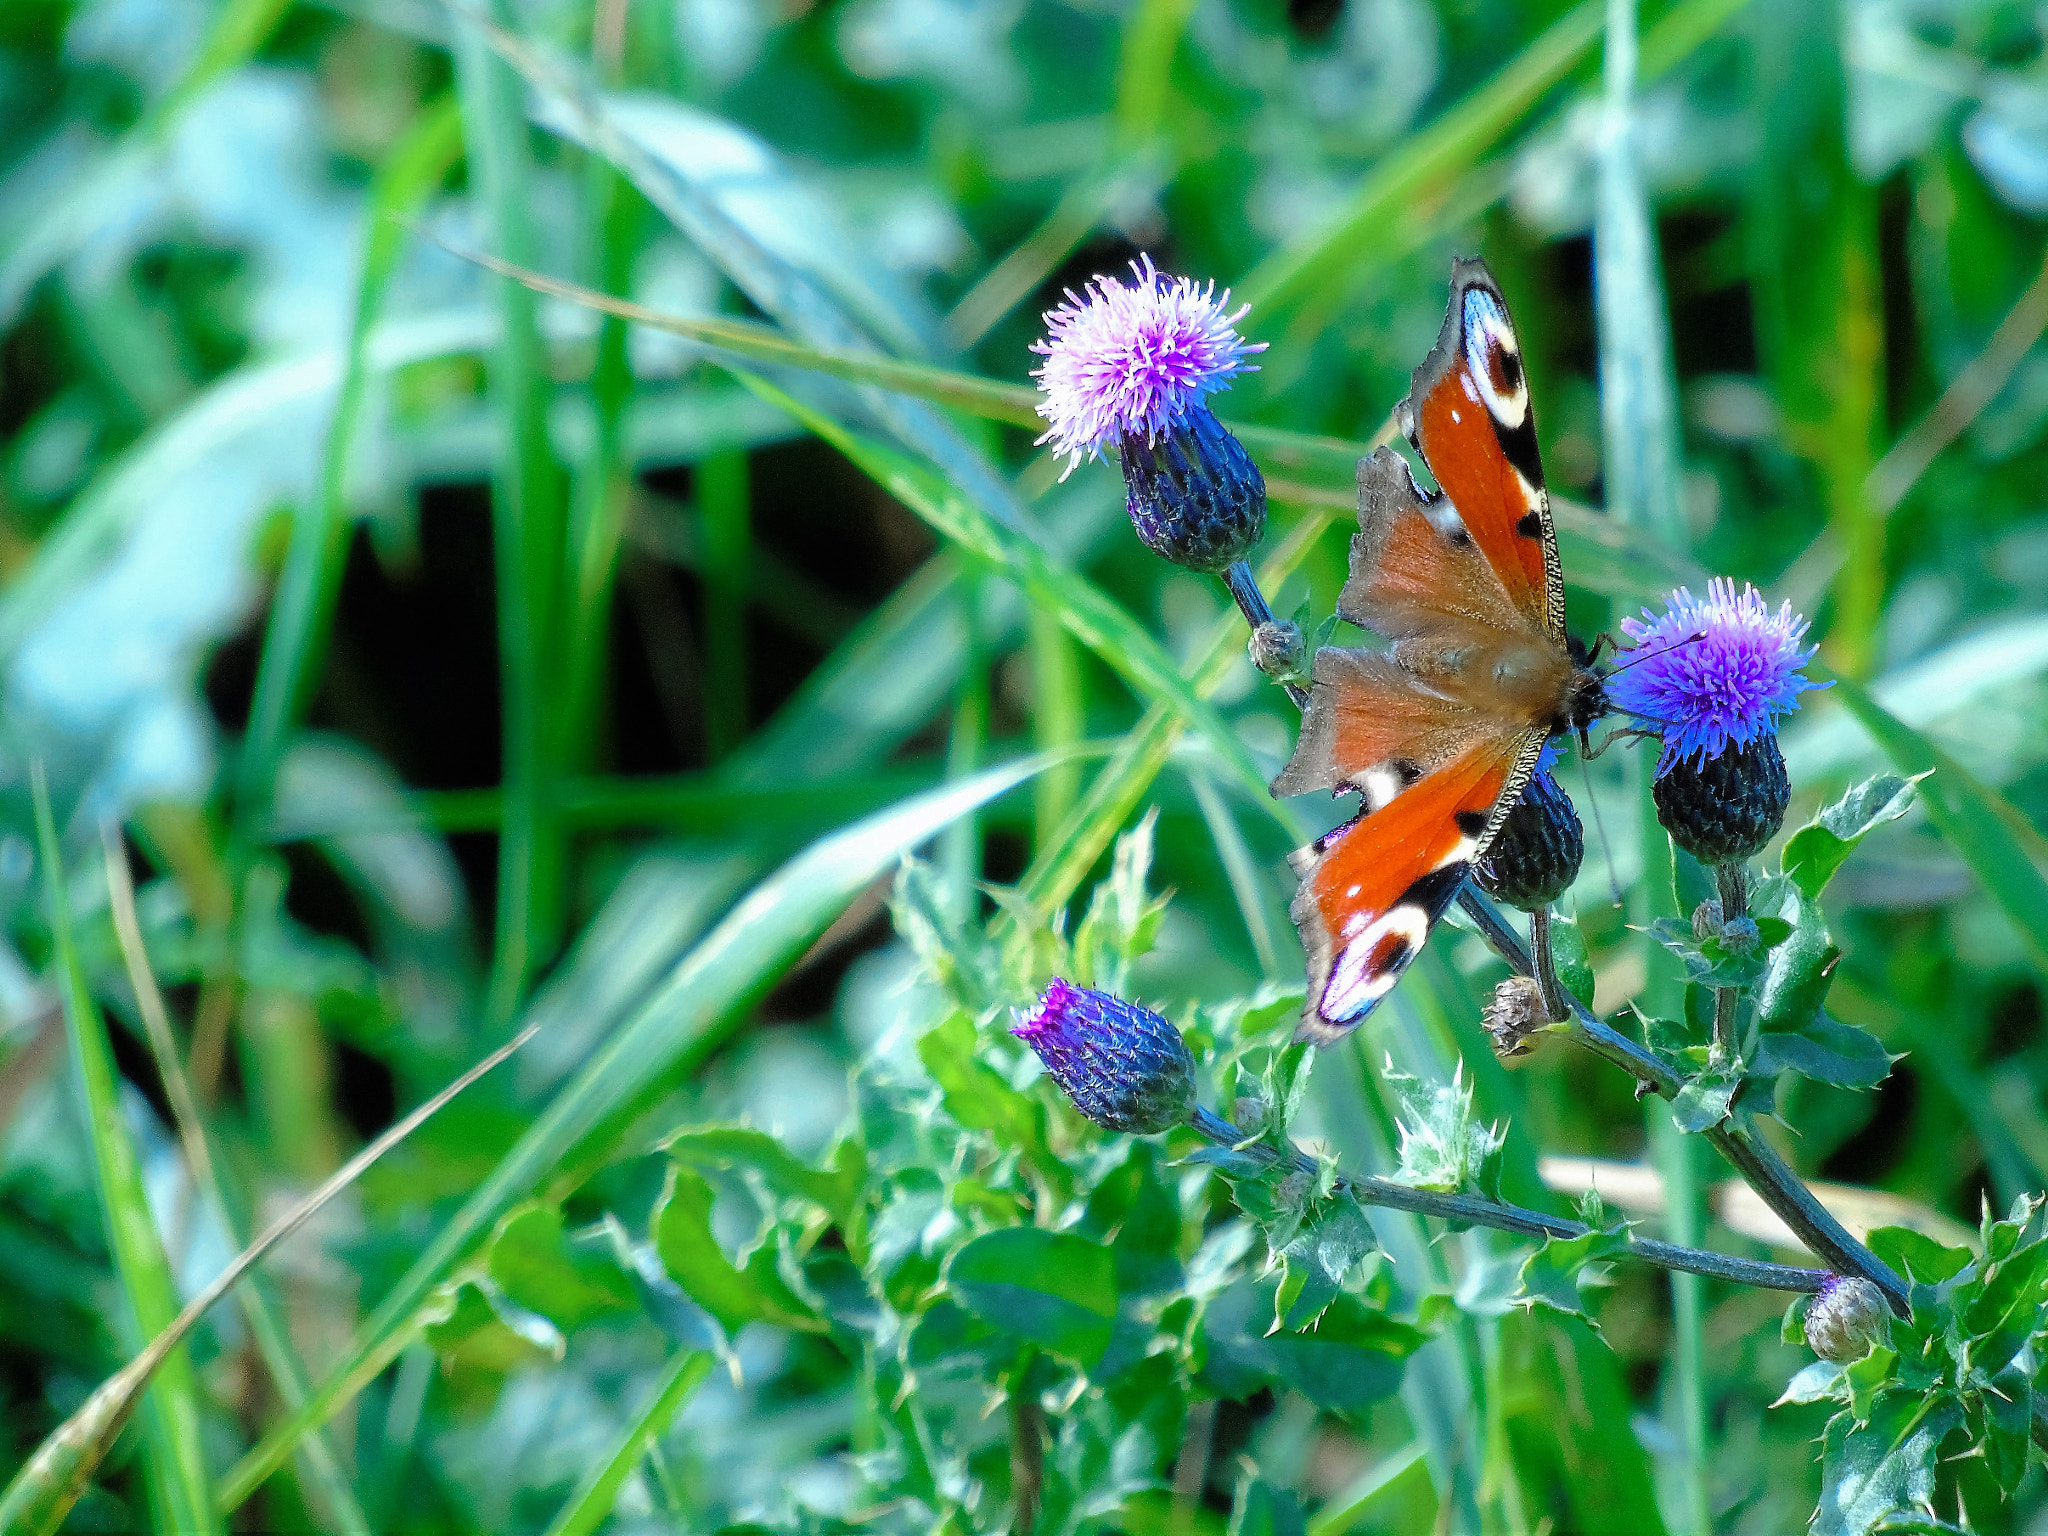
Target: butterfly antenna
[1639,656]
[1600,828]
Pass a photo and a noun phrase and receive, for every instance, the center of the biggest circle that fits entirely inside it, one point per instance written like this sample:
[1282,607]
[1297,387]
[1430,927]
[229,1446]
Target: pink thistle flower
[1130,362]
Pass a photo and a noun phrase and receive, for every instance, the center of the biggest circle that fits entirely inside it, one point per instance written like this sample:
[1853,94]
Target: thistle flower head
[1129,361]
[1123,1066]
[1715,671]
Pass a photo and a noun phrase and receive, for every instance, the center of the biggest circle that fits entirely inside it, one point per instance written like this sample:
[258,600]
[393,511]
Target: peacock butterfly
[1439,733]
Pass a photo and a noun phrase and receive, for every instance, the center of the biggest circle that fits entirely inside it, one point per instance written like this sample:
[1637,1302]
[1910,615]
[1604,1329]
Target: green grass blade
[337,1501]
[179,1486]
[604,477]
[295,642]
[2003,850]
[1242,871]
[592,1502]
[671,1031]
[1059,716]
[1090,616]
[1320,257]
[1062,863]
[527,525]
[1638,391]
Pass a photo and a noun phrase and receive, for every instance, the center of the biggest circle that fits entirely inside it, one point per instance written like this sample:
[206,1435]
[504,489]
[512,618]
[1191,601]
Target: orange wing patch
[1468,414]
[1377,886]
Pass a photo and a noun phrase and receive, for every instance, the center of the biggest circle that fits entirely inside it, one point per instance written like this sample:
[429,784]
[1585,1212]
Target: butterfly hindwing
[1468,414]
[1375,887]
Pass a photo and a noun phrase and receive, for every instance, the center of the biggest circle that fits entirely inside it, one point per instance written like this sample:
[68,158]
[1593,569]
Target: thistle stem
[1244,587]
[1554,1003]
[1477,1210]
[1733,880]
[1735,1139]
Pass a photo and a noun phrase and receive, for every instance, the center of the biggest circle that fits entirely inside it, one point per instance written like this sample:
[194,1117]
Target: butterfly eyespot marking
[1530,526]
[1370,964]
[1493,360]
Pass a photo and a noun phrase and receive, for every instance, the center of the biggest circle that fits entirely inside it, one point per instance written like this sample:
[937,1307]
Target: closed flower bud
[1514,1013]
[1728,808]
[1536,856]
[1846,1319]
[1706,920]
[1124,1067]
[1278,650]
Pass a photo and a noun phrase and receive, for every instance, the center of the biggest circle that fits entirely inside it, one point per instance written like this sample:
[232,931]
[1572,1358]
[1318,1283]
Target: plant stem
[1733,879]
[1477,1210]
[1736,1139]
[1554,1003]
[1244,586]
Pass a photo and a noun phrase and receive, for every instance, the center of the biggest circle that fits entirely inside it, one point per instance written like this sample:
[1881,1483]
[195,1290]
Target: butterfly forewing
[1468,414]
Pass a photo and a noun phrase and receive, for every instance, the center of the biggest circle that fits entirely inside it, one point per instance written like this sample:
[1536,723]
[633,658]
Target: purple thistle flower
[1123,1066]
[1131,362]
[1714,672]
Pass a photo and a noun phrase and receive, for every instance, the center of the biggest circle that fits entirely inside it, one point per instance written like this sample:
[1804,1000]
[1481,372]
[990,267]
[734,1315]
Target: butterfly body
[1439,733]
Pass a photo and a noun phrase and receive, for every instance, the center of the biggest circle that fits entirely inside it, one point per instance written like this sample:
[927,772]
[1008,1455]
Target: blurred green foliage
[457,658]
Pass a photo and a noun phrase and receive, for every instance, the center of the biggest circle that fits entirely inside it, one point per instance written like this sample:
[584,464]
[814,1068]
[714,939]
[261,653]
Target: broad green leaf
[2008,1424]
[1704,1101]
[473,1326]
[1980,824]
[1352,1358]
[1330,1246]
[1813,1383]
[533,1263]
[1917,1256]
[2010,1308]
[1827,1050]
[1569,953]
[1054,1288]
[1551,1275]
[1141,1217]
[689,1251]
[676,1026]
[1796,972]
[1883,1467]
[835,1187]
[1816,850]
[1865,1378]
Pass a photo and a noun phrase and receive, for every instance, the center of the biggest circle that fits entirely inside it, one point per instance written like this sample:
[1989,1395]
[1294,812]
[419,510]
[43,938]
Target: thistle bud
[1727,808]
[1846,1319]
[1515,1012]
[1278,650]
[1124,1067]
[1537,853]
[1133,368]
